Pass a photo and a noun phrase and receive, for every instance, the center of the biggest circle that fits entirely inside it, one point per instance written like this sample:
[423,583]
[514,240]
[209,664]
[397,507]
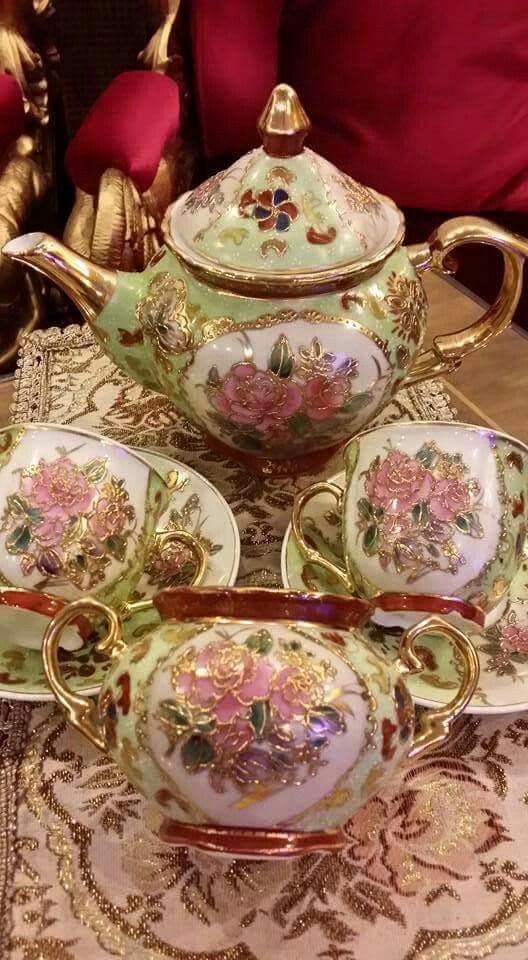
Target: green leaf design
[300,424]
[463,523]
[34,515]
[173,712]
[426,455]
[197,752]
[18,541]
[116,546]
[95,470]
[259,716]
[370,540]
[356,402]
[260,642]
[365,509]
[281,358]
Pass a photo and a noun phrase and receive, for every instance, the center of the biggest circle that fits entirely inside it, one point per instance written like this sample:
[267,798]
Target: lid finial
[283,125]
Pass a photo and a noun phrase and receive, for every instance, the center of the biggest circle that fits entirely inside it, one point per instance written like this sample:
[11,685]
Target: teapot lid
[282,219]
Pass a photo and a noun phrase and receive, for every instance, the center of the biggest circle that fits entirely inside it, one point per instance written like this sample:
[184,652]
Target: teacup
[429,508]
[257,721]
[77,512]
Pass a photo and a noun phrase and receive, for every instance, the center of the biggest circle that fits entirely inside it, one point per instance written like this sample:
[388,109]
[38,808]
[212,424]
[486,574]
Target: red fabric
[11,110]
[235,57]
[426,102]
[127,128]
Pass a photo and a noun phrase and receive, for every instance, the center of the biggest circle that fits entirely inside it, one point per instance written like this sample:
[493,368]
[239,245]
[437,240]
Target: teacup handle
[449,350]
[436,724]
[81,711]
[309,553]
[199,552]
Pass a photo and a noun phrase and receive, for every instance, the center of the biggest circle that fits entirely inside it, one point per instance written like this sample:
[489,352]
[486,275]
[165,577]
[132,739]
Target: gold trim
[435,725]
[82,713]
[449,350]
[221,326]
[285,284]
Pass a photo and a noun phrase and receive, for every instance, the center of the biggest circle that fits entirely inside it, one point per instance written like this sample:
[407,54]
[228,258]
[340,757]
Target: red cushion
[127,128]
[426,102]
[235,51]
[11,110]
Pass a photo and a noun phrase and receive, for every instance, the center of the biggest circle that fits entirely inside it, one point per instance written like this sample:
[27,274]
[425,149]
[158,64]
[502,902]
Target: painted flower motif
[407,303]
[293,692]
[68,520]
[416,508]
[109,518]
[251,397]
[514,639]
[273,209]
[398,483]
[324,396]
[233,737]
[59,489]
[250,718]
[227,676]
[449,498]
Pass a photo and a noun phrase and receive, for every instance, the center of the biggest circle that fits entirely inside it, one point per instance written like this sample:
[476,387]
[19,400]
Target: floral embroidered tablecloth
[437,869]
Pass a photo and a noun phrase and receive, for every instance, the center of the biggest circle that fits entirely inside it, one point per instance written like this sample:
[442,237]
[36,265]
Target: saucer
[502,648]
[195,506]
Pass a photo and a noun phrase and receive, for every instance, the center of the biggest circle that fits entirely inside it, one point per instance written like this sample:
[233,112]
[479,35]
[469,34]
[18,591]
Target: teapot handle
[448,350]
[81,711]
[435,725]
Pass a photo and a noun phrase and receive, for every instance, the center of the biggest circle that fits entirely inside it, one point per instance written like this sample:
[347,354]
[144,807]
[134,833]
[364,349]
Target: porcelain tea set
[281,315]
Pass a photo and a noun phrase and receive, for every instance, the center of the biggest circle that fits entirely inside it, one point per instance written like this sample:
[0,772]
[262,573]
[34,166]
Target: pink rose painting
[68,520]
[417,510]
[514,638]
[310,394]
[248,717]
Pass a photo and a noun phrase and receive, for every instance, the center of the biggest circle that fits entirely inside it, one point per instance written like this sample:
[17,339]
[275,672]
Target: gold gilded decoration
[407,303]
[360,199]
[435,866]
[415,508]
[256,713]
[273,246]
[163,315]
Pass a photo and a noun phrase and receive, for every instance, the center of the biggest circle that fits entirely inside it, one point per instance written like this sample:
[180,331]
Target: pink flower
[449,498]
[228,677]
[51,529]
[324,395]
[233,737]
[514,639]
[256,398]
[394,527]
[59,489]
[398,483]
[108,519]
[293,691]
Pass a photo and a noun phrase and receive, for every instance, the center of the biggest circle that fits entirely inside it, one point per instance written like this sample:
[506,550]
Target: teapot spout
[88,285]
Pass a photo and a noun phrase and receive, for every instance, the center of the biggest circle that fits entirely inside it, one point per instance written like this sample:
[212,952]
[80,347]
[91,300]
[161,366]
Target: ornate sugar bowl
[283,311]
[257,721]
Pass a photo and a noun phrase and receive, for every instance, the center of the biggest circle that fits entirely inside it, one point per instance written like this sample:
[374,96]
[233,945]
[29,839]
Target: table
[435,869]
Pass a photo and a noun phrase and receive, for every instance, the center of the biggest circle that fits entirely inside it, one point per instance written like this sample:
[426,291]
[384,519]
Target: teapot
[257,721]
[283,310]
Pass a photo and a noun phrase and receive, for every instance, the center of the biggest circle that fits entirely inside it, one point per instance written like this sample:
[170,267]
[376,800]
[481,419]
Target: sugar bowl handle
[435,725]
[81,711]
[449,350]
[310,553]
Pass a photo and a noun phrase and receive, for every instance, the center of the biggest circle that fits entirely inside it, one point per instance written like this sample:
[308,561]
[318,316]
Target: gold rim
[279,284]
